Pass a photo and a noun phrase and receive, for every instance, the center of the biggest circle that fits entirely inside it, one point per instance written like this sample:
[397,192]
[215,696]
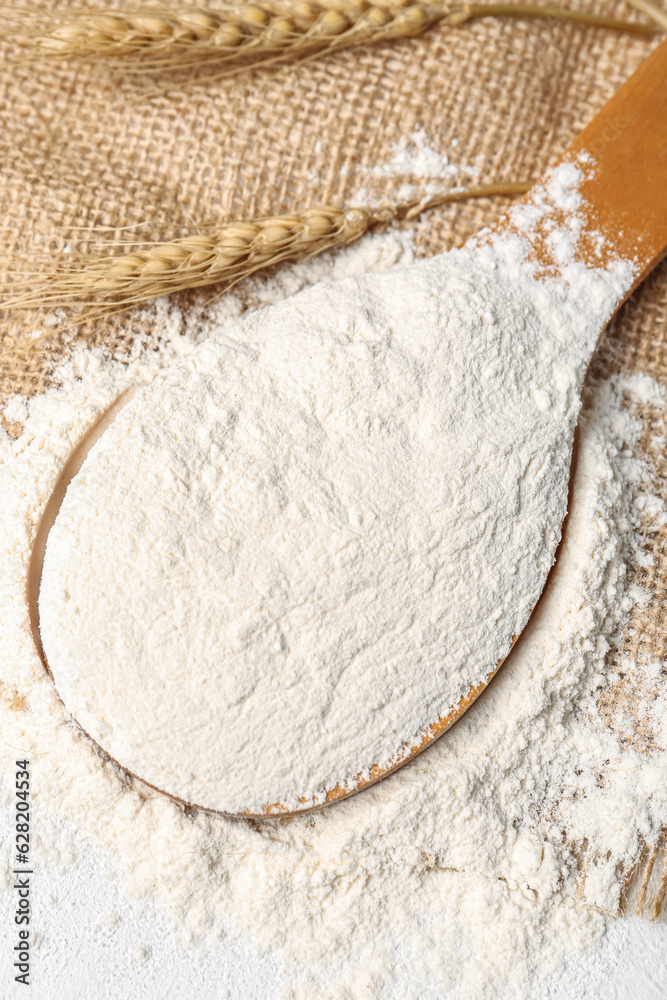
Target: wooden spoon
[622,214]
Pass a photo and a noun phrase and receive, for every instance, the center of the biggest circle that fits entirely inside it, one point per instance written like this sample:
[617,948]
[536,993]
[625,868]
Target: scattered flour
[418,158]
[422,169]
[466,874]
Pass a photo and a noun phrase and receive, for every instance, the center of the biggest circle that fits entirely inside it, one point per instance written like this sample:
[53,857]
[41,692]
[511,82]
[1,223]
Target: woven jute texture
[80,147]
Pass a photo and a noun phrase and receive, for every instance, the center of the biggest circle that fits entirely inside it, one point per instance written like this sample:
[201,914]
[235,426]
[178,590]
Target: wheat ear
[215,257]
[265,31]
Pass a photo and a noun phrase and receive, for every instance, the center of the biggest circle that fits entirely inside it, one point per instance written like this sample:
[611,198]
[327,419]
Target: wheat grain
[217,257]
[254,33]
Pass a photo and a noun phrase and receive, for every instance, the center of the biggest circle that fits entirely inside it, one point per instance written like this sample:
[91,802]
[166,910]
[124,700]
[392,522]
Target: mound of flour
[467,874]
[307,542]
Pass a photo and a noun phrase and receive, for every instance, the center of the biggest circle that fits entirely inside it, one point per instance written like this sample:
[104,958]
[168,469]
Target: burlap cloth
[504,96]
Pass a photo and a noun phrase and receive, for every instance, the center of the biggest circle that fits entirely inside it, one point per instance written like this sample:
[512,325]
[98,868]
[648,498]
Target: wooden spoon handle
[622,212]
[627,192]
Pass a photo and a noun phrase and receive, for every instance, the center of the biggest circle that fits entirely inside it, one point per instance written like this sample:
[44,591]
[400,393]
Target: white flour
[307,542]
[421,167]
[466,874]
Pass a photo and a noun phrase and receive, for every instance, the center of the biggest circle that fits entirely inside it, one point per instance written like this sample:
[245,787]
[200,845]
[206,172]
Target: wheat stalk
[252,33]
[654,12]
[221,256]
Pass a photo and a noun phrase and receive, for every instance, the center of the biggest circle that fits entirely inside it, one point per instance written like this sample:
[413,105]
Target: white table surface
[93,943]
